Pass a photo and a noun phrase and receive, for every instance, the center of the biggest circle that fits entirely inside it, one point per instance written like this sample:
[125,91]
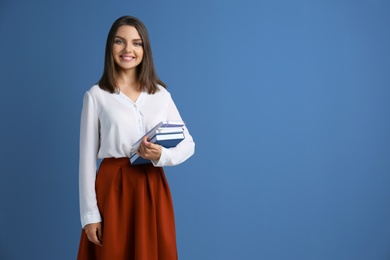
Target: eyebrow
[117,36]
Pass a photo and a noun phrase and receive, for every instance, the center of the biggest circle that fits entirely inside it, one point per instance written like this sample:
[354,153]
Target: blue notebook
[156,129]
[164,134]
[165,140]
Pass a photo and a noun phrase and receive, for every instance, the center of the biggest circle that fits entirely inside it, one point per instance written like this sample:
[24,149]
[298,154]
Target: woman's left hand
[149,150]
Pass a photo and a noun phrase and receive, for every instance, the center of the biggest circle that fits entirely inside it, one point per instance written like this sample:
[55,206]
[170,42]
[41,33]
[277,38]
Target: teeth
[127,58]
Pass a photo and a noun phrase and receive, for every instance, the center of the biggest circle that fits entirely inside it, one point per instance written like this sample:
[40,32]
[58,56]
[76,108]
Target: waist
[123,161]
[117,161]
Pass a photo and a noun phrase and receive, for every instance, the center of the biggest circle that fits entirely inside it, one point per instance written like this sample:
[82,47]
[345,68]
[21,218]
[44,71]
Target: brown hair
[146,73]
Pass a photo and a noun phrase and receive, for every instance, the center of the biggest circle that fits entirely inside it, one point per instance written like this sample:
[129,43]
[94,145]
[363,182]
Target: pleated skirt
[137,211]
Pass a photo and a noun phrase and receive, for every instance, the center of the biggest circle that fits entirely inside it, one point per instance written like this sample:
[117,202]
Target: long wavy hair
[147,77]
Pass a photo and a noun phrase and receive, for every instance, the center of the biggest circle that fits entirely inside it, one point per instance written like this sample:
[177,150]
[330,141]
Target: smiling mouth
[127,58]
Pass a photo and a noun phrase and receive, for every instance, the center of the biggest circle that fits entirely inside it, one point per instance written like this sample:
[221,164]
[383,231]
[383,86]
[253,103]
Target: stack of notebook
[166,133]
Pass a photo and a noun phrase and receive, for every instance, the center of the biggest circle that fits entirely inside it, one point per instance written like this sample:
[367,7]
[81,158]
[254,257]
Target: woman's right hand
[94,233]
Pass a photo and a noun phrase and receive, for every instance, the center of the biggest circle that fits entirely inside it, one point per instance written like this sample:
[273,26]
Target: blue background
[288,102]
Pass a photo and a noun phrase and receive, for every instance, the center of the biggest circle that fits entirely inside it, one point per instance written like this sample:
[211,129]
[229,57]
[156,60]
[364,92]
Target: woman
[126,210]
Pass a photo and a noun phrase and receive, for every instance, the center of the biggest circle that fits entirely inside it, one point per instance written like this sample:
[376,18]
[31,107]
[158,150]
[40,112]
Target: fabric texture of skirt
[137,211]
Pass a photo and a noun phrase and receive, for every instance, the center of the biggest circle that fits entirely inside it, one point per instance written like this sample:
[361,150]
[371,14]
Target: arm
[180,153]
[89,145]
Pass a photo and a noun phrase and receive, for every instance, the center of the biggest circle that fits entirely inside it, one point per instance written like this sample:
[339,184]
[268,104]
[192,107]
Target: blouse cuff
[163,158]
[90,218]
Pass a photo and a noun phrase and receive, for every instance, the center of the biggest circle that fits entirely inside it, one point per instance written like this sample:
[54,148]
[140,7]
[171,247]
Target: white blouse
[110,124]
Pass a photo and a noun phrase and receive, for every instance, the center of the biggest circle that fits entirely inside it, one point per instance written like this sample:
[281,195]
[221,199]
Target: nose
[128,48]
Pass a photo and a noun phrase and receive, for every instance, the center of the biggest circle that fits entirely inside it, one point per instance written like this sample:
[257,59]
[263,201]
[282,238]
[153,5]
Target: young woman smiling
[126,210]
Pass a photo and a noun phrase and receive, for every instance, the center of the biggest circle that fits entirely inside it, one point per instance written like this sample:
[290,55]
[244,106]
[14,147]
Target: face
[127,50]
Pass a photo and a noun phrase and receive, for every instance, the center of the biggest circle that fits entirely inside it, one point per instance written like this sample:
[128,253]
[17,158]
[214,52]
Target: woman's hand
[94,233]
[149,150]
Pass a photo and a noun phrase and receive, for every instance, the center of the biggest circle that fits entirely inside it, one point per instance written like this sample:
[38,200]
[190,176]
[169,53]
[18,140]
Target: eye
[138,44]
[118,41]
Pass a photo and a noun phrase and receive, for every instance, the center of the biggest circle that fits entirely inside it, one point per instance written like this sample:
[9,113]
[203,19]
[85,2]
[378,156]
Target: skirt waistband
[117,161]
[123,161]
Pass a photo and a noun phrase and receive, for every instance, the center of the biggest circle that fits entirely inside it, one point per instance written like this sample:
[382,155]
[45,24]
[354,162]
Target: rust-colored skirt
[136,207]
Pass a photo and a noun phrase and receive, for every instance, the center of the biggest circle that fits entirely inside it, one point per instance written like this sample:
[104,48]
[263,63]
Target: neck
[127,79]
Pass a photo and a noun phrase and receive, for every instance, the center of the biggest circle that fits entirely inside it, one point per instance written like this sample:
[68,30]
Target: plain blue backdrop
[288,102]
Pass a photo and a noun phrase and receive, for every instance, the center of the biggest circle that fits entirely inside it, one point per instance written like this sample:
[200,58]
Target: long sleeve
[184,150]
[89,145]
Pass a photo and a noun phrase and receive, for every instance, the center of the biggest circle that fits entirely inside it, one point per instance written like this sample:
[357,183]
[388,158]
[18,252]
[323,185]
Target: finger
[100,234]
[143,149]
[146,142]
[140,150]
[92,237]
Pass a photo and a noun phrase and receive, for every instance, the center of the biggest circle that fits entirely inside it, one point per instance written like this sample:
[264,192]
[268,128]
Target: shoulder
[97,96]
[161,96]
[161,91]
[95,90]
